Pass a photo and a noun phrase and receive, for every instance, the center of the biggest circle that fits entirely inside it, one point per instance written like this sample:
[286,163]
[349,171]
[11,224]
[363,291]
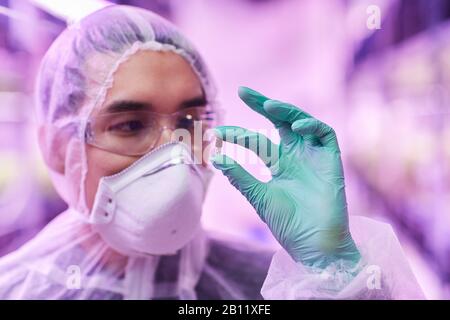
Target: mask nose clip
[165,165]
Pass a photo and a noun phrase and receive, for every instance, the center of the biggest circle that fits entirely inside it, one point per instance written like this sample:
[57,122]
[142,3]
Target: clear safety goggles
[135,133]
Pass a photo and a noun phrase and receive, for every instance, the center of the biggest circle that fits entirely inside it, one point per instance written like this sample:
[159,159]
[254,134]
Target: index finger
[285,112]
[255,101]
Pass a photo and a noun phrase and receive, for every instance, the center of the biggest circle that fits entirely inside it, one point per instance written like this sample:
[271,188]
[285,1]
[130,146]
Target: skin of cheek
[101,164]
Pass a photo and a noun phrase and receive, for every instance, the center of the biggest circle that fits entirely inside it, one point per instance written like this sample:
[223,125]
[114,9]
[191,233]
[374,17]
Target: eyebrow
[131,105]
[126,105]
[194,102]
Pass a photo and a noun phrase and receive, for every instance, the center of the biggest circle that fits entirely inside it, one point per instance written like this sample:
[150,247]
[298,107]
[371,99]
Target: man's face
[156,81]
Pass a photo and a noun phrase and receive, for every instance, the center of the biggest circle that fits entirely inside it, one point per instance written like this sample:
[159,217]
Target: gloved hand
[304,203]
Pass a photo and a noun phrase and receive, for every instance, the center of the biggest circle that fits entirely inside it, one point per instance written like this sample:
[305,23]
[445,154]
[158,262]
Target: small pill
[219,143]
[218,146]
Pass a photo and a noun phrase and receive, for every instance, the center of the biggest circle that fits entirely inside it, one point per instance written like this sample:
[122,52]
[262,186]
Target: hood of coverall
[77,71]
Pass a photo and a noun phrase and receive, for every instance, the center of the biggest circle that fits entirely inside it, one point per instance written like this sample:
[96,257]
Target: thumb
[247,184]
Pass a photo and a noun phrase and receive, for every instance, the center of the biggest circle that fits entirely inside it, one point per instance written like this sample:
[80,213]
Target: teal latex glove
[304,204]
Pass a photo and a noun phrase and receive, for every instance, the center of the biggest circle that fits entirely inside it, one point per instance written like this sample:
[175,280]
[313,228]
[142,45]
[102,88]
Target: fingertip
[247,90]
[216,160]
[297,124]
[227,132]
[218,132]
[246,93]
[242,90]
[222,161]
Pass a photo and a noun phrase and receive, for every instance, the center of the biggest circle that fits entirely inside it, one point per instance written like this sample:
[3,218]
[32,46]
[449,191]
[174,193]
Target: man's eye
[127,127]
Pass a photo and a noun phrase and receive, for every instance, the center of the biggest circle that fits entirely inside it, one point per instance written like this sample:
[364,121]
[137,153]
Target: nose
[165,137]
[166,129]
[196,150]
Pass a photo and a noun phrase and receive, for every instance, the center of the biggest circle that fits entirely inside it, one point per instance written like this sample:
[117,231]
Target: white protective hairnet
[67,260]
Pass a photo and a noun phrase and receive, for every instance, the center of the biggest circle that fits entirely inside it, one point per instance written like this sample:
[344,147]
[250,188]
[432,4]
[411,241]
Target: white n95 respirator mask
[154,206]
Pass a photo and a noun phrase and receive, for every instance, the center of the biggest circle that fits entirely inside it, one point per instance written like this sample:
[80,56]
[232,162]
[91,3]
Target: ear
[54,149]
